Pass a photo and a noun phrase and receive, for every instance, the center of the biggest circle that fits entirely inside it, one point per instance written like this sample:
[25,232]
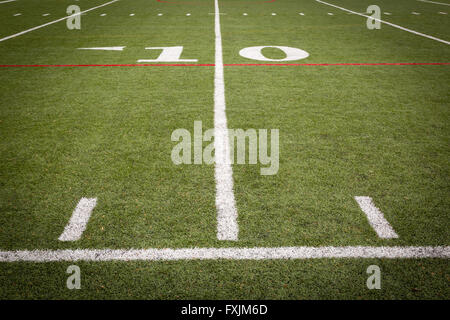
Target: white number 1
[168,54]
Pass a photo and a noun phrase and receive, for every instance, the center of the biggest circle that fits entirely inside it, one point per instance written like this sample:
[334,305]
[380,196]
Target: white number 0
[255,53]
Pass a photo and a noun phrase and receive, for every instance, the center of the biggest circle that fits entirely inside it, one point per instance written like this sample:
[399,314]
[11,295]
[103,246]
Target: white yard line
[55,21]
[385,22]
[444,4]
[78,222]
[283,253]
[6,1]
[376,218]
[227,227]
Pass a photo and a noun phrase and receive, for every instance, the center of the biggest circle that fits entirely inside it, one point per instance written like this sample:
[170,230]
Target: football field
[111,111]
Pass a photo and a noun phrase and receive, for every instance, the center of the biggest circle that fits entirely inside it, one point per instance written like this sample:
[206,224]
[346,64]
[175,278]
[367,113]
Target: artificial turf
[105,132]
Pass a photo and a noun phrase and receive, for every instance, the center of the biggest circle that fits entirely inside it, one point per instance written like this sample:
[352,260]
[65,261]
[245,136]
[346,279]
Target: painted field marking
[388,13]
[416,13]
[104,65]
[131,14]
[227,226]
[388,23]
[245,14]
[17,14]
[78,222]
[274,14]
[55,21]
[257,253]
[103,14]
[376,218]
[330,14]
[434,2]
[301,13]
[46,14]
[336,64]
[188,14]
[442,12]
[6,1]
[104,48]
[168,54]
[160,14]
[291,54]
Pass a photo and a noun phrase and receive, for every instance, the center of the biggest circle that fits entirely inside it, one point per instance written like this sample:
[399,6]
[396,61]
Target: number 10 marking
[173,54]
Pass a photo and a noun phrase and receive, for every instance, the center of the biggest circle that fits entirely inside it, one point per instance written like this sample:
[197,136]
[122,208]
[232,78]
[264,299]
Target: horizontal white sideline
[224,253]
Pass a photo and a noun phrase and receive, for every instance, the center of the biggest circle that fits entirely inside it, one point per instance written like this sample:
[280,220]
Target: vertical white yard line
[78,222]
[385,22]
[376,218]
[6,1]
[227,227]
[55,21]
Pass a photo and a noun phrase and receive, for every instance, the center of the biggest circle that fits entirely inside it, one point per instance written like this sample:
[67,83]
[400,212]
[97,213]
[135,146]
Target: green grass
[313,279]
[379,131]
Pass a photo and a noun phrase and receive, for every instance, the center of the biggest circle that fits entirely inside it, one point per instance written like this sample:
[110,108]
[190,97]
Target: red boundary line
[226,64]
[342,64]
[103,65]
